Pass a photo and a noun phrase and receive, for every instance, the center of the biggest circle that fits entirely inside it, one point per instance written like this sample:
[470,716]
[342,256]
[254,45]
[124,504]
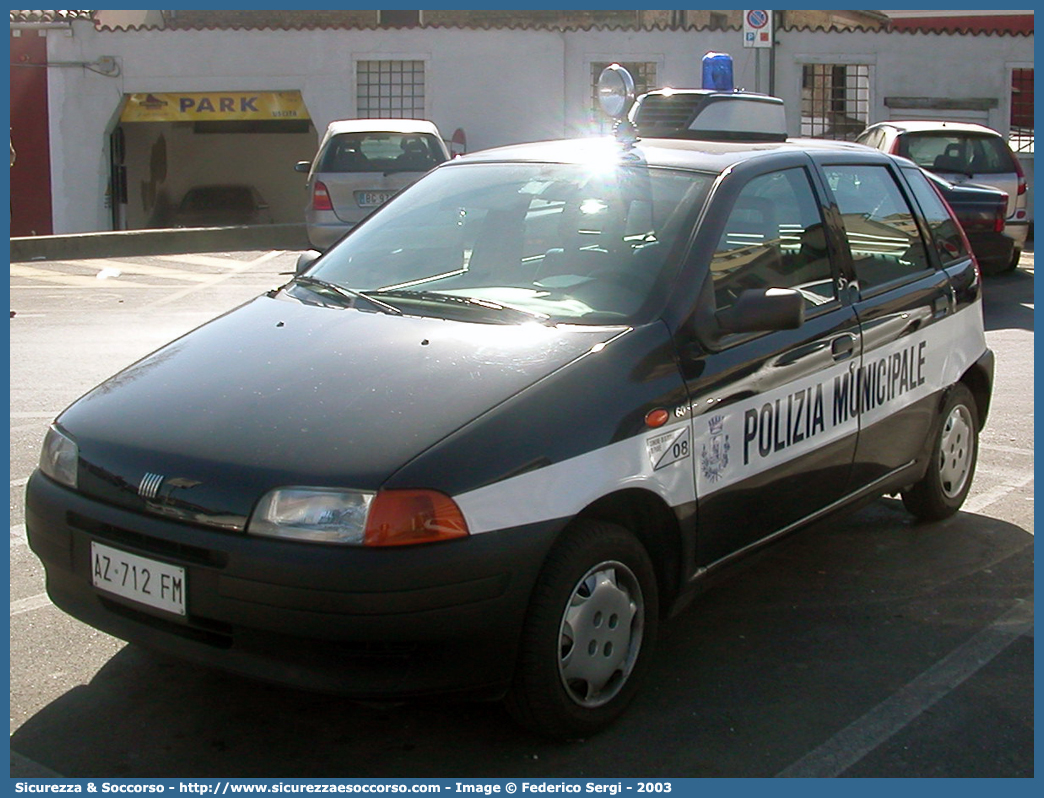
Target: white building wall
[924,65]
[500,86]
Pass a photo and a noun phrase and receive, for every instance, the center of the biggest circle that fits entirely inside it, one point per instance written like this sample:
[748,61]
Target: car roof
[932,125]
[382,126]
[708,156]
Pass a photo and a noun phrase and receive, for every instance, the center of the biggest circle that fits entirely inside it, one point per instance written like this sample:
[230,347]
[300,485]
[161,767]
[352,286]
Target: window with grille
[398,19]
[644,74]
[835,100]
[718,21]
[1022,110]
[390,89]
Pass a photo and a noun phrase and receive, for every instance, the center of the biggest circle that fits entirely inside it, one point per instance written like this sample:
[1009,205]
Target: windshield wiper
[470,303]
[347,293]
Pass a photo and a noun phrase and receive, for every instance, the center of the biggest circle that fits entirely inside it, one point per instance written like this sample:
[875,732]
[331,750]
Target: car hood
[279,392]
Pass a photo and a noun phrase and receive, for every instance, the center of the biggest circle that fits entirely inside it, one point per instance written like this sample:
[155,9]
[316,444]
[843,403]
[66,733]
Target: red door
[30,136]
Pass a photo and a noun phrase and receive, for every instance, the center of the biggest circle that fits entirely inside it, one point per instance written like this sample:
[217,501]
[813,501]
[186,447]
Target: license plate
[371,199]
[155,584]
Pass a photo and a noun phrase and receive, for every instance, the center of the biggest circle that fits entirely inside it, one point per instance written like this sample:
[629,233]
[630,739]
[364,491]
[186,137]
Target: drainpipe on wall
[777,17]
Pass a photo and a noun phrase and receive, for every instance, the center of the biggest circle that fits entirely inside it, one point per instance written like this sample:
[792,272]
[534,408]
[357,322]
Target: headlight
[328,515]
[59,457]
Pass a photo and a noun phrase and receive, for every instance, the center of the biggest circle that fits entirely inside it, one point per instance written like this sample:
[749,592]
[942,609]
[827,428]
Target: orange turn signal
[408,517]
[657,418]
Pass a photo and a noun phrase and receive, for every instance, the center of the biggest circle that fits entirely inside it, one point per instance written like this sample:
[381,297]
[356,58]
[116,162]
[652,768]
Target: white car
[360,165]
[962,153]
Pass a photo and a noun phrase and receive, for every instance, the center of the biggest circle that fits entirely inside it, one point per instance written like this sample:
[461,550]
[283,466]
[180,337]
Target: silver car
[360,165]
[961,153]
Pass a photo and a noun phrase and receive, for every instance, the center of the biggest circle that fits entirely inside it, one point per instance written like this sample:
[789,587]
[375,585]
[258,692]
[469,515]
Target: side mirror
[763,310]
[303,166]
[305,260]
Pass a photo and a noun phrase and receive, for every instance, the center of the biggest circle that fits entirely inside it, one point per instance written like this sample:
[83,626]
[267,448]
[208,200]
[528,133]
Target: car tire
[1015,257]
[589,633]
[942,490]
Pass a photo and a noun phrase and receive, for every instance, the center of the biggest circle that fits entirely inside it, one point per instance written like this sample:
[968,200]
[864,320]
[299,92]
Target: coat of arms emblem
[714,458]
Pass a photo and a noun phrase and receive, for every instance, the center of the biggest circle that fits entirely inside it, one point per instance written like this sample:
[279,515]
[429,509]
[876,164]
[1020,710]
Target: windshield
[564,243]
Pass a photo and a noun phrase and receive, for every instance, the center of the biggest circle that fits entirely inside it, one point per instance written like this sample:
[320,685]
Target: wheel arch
[648,517]
[979,380]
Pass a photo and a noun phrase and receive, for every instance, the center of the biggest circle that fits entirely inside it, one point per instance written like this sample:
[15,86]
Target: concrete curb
[159,242]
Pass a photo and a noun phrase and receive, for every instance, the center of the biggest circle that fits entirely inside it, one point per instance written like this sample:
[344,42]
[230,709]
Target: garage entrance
[202,159]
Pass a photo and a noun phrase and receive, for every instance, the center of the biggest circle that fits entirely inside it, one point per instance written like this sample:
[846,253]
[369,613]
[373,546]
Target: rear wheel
[1016,255]
[942,490]
[589,632]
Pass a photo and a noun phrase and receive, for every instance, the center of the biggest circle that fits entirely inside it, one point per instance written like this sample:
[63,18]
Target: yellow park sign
[213,106]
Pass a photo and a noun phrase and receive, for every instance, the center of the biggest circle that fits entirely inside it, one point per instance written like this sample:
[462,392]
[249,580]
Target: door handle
[943,304]
[843,347]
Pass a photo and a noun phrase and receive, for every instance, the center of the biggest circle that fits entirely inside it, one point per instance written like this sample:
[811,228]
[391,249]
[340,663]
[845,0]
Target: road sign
[757,28]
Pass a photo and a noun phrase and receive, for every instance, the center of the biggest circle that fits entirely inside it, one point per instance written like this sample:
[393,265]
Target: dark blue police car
[490,440]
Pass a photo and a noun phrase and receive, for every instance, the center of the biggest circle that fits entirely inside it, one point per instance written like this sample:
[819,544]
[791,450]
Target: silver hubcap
[955,451]
[601,634]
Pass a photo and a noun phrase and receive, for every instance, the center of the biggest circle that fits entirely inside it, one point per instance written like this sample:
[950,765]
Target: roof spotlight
[616,96]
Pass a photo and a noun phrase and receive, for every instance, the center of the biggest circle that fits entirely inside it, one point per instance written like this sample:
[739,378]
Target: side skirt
[893,480]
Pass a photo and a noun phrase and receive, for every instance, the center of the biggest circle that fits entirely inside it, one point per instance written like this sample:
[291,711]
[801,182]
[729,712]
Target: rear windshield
[381,152]
[957,152]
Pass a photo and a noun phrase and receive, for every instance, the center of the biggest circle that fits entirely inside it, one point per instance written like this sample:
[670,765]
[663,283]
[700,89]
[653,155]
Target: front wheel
[945,485]
[589,632]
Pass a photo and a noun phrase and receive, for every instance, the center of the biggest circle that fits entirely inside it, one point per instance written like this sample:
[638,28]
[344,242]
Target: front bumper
[361,622]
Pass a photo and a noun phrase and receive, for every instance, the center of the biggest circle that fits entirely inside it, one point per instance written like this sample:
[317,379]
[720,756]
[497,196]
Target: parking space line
[1010,475]
[18,535]
[275,253]
[36,602]
[983,500]
[211,281]
[55,277]
[892,715]
[109,270]
[146,269]
[186,291]
[221,263]
[996,447]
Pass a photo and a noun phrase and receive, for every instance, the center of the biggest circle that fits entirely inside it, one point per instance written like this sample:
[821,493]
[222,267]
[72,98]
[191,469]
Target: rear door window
[946,232]
[880,226]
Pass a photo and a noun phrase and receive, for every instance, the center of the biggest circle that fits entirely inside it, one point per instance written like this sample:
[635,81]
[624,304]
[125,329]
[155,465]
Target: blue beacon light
[717,71]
